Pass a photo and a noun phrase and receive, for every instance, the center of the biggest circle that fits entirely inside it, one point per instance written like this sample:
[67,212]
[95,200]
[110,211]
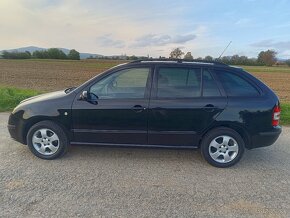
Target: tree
[267,58]
[40,54]
[55,53]
[16,55]
[73,55]
[288,62]
[226,59]
[235,59]
[5,54]
[133,57]
[52,53]
[243,60]
[208,58]
[188,56]
[176,54]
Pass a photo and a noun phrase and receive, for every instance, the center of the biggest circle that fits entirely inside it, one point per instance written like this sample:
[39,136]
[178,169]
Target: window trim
[217,82]
[154,90]
[147,87]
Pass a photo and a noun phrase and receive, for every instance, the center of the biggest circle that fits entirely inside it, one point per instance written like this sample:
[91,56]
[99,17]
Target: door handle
[138,108]
[209,108]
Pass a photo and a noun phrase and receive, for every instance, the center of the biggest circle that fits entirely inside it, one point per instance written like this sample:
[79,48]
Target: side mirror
[89,97]
[84,95]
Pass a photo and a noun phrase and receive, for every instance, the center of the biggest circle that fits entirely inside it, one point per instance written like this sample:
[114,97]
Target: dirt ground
[92,181]
[50,75]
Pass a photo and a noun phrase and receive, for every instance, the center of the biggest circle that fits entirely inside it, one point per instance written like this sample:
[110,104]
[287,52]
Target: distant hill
[32,49]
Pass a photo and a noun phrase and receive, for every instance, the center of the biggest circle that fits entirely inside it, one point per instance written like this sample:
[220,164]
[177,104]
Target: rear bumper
[268,138]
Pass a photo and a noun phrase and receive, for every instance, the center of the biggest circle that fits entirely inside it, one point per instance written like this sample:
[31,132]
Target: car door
[184,102]
[115,111]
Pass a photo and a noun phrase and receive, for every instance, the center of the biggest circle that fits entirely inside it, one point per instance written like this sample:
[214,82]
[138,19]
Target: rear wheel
[47,140]
[222,147]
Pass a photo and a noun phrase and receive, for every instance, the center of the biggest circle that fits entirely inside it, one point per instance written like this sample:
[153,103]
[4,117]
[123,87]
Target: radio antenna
[225,50]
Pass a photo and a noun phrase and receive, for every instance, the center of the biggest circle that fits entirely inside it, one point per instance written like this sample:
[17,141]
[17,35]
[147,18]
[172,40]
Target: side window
[210,88]
[235,85]
[178,83]
[129,83]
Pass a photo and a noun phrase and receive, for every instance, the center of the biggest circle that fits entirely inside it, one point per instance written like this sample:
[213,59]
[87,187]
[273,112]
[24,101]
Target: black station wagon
[155,103]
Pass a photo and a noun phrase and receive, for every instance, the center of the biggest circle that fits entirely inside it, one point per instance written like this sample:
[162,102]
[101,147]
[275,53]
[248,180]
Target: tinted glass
[178,83]
[210,88]
[236,85]
[129,83]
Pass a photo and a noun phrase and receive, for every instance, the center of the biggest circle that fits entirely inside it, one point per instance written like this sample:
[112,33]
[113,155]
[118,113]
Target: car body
[157,103]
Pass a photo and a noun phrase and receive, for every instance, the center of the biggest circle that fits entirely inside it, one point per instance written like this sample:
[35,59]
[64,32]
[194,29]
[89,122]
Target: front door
[116,111]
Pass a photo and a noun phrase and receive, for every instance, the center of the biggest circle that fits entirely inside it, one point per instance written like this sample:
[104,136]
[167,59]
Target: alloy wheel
[223,149]
[45,141]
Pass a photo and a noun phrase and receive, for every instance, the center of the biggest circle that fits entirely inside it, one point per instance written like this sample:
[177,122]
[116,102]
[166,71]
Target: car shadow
[252,158]
[133,153]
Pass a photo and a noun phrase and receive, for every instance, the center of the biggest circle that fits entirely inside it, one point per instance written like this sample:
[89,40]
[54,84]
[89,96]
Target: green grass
[10,97]
[285,114]
[264,69]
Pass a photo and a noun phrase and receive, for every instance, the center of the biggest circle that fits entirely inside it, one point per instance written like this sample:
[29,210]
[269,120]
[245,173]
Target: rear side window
[178,83]
[210,88]
[235,85]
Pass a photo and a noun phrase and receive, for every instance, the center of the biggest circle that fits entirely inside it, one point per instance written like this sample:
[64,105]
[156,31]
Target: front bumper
[268,138]
[15,128]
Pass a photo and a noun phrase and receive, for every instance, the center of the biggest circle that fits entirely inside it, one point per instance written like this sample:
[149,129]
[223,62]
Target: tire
[222,147]
[47,140]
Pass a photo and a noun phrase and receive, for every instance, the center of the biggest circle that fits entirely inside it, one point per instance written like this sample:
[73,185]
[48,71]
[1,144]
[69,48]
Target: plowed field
[49,75]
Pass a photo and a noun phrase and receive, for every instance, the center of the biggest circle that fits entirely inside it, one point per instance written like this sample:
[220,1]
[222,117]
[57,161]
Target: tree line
[51,53]
[265,58]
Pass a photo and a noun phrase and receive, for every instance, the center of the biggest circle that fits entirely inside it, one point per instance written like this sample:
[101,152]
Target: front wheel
[47,140]
[222,147]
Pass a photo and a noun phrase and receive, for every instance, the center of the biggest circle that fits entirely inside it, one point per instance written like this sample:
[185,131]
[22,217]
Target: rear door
[184,101]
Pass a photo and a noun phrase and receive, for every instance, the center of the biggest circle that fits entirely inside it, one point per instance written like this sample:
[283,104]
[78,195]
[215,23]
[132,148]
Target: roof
[200,62]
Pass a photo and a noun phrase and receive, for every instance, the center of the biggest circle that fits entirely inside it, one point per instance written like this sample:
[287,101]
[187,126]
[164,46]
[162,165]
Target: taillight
[276,115]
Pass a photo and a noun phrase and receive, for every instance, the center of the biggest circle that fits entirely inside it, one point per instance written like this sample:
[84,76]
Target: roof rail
[179,61]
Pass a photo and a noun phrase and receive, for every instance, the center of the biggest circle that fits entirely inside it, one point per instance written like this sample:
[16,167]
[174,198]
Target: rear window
[235,85]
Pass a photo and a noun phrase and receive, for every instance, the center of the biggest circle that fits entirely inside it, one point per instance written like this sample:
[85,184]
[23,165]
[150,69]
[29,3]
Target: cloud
[108,41]
[270,43]
[160,40]
[180,39]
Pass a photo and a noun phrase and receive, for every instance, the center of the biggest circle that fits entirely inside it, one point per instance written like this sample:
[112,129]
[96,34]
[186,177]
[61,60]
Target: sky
[148,27]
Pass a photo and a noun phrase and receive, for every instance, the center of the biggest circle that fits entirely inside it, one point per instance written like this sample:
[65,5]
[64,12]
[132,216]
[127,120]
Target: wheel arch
[238,128]
[34,120]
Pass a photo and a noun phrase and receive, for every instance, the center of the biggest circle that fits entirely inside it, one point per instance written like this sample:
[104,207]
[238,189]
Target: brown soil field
[279,82]
[50,75]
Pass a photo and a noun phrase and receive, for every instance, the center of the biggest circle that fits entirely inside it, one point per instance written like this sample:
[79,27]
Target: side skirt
[135,145]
